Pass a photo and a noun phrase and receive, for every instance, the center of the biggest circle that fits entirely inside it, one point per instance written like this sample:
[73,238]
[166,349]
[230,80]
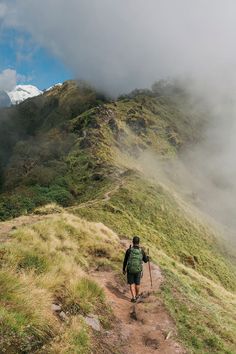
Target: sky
[26,62]
[119,45]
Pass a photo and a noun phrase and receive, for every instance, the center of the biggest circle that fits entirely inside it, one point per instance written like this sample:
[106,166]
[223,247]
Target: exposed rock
[137,124]
[56,308]
[93,321]
[63,316]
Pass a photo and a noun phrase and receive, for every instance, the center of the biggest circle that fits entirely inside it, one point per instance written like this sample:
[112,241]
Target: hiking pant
[134,278]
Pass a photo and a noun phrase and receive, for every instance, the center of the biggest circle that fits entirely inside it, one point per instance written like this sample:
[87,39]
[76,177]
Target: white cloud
[8,79]
[3,10]
[122,44]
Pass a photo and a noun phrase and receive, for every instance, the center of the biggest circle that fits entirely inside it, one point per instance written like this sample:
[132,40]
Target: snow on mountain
[52,87]
[21,92]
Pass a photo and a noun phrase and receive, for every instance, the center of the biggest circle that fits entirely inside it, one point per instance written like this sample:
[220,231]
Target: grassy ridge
[62,146]
[46,263]
[197,271]
[72,146]
[150,211]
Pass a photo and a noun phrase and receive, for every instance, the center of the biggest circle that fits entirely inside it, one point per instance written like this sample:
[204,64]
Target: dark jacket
[127,254]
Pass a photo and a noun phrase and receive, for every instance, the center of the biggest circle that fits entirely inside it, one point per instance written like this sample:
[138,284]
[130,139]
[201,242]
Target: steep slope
[73,146]
[70,265]
[60,145]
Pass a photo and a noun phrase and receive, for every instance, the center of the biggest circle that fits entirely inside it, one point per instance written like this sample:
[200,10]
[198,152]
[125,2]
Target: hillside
[54,146]
[90,155]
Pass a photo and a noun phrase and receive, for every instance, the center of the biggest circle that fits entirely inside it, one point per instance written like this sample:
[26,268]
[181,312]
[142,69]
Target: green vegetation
[75,149]
[151,212]
[196,269]
[46,263]
[63,146]
[203,311]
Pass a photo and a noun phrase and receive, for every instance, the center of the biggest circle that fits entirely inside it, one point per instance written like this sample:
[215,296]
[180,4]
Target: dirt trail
[106,197]
[144,327]
[7,226]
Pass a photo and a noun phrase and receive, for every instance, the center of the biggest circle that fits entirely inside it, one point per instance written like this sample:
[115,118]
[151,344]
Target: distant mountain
[22,92]
[52,87]
[4,99]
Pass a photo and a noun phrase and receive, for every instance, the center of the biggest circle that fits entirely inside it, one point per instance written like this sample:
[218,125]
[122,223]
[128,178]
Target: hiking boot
[133,299]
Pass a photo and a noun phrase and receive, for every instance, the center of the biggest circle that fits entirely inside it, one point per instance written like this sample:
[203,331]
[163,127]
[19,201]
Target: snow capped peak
[21,92]
[52,87]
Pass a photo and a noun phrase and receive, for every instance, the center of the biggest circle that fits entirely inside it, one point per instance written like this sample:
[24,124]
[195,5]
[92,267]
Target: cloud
[122,44]
[3,9]
[8,79]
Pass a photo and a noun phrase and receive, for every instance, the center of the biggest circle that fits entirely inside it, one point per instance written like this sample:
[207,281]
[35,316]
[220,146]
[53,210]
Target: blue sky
[37,66]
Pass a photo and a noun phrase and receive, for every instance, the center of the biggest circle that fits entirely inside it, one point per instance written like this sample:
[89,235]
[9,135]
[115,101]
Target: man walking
[133,262]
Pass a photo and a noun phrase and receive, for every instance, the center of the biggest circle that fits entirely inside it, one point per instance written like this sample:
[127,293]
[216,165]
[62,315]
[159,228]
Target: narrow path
[144,327]
[7,226]
[106,197]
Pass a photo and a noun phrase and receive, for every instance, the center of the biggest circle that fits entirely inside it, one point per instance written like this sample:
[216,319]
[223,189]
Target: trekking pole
[150,272]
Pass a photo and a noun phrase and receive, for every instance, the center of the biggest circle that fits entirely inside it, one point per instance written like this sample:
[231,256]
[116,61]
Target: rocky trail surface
[143,327]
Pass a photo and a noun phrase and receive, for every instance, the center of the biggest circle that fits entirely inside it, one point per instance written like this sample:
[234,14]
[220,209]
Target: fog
[120,45]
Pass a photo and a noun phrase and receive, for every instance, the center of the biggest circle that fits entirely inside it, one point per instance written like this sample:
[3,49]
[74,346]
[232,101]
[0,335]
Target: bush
[60,195]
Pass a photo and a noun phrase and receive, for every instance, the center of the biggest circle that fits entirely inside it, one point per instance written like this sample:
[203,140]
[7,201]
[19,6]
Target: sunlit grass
[46,263]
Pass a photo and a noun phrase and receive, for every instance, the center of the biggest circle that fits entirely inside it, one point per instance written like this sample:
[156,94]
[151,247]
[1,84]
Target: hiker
[133,261]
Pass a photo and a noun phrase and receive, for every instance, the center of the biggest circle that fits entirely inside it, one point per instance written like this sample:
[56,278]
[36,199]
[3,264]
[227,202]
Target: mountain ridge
[77,148]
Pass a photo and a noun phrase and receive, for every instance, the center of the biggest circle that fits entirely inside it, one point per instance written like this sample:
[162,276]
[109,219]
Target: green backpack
[135,261]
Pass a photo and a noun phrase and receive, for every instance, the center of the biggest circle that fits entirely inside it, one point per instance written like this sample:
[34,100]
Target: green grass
[196,269]
[203,312]
[150,211]
[75,142]
[84,297]
[25,322]
[47,262]
[63,148]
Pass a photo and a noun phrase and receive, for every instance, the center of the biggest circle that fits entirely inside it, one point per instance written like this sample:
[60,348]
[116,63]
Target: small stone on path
[56,308]
[93,321]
